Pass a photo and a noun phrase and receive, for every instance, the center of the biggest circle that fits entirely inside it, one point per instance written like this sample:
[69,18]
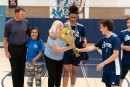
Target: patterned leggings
[34,71]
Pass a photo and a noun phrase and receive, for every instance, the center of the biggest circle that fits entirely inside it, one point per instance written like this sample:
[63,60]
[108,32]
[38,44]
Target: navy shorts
[111,79]
[125,69]
[68,59]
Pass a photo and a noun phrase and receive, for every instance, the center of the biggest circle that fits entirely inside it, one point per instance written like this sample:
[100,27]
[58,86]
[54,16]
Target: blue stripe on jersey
[108,44]
[125,39]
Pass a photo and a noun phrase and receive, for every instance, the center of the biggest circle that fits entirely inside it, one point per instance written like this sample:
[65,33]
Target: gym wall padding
[93,33]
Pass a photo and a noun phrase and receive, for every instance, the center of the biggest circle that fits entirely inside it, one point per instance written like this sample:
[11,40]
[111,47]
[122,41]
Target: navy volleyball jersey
[125,39]
[78,32]
[108,44]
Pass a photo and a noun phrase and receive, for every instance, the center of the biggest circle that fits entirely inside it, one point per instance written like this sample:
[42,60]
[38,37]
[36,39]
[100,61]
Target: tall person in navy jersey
[70,65]
[124,36]
[110,46]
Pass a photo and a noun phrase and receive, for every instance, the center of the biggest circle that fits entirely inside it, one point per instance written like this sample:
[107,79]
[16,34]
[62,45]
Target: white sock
[72,85]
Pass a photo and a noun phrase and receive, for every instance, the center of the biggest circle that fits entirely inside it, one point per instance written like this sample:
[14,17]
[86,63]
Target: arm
[28,30]
[52,35]
[57,48]
[81,7]
[87,49]
[109,60]
[123,47]
[51,31]
[37,57]
[85,41]
[126,48]
[5,42]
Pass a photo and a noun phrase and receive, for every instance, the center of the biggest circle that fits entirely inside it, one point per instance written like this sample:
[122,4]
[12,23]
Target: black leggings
[54,68]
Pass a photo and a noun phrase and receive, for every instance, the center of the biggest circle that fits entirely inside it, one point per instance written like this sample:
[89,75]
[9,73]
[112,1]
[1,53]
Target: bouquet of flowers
[67,36]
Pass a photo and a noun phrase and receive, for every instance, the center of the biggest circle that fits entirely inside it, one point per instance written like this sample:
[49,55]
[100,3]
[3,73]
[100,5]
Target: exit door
[2,21]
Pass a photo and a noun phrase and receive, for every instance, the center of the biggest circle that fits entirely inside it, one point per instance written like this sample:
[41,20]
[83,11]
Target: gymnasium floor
[87,75]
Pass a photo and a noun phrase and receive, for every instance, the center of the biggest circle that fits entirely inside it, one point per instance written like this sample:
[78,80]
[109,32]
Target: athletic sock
[72,85]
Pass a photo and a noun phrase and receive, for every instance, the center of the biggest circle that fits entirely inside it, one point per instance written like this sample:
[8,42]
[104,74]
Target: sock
[72,85]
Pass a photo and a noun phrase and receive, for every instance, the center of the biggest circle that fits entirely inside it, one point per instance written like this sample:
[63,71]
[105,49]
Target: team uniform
[78,32]
[125,39]
[34,70]
[111,71]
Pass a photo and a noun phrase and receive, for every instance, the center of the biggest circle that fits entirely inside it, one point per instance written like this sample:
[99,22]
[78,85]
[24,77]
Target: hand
[80,10]
[34,61]
[99,66]
[7,54]
[52,36]
[128,48]
[78,49]
[84,45]
[71,46]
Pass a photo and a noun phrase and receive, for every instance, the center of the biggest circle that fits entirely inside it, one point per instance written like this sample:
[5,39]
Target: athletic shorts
[68,59]
[125,69]
[111,79]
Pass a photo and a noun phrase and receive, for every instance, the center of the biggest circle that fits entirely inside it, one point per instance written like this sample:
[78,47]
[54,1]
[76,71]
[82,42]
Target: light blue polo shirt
[51,53]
